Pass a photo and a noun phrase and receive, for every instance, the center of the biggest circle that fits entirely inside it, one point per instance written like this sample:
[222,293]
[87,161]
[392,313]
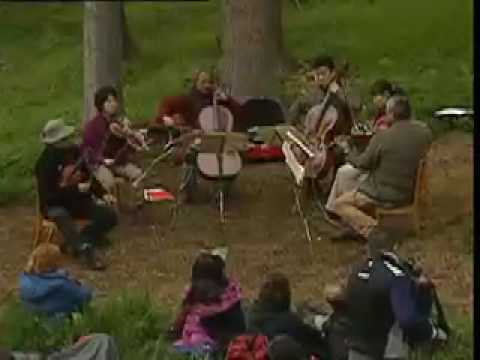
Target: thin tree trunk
[253,46]
[103,46]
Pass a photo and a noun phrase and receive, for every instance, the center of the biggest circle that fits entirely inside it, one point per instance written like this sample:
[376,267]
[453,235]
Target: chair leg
[36,235]
[417,224]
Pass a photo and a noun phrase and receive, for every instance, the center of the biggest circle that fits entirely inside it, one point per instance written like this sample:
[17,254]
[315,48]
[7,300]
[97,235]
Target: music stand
[222,143]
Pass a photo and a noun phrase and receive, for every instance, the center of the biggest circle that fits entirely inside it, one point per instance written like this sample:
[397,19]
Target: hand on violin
[70,176]
[110,199]
[221,96]
[84,186]
[168,121]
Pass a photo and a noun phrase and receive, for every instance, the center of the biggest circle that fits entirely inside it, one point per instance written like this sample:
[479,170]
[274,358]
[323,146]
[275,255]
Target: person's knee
[57,213]
[106,216]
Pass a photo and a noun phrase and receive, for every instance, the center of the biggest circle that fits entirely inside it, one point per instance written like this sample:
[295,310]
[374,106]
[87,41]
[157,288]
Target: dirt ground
[263,235]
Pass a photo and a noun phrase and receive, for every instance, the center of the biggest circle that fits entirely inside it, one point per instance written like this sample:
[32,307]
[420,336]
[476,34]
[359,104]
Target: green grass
[135,323]
[424,45]
[137,326]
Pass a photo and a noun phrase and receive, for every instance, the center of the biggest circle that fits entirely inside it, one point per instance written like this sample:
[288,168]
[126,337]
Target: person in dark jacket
[48,289]
[65,193]
[272,316]
[385,305]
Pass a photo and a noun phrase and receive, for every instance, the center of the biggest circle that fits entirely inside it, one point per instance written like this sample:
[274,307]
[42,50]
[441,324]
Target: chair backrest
[222,120]
[421,182]
[260,112]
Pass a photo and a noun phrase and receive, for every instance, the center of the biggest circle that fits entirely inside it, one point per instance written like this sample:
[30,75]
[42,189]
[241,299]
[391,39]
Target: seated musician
[109,136]
[391,161]
[348,177]
[65,194]
[326,122]
[381,91]
[180,114]
[182,111]
[310,97]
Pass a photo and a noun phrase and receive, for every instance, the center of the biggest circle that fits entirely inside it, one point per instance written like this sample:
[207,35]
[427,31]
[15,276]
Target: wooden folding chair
[420,198]
[46,231]
[43,226]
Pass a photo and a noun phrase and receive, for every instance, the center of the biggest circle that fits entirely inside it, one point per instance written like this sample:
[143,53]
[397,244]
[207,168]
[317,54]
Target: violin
[134,138]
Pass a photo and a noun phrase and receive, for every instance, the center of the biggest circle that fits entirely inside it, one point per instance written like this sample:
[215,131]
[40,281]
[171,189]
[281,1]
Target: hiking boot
[89,257]
[333,219]
[184,198]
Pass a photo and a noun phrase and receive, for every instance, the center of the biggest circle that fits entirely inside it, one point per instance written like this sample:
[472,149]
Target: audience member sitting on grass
[47,288]
[271,315]
[389,307]
[65,190]
[211,313]
[284,347]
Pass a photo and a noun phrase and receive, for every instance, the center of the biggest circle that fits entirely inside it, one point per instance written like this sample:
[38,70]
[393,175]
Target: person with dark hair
[108,141]
[391,161]
[211,313]
[381,91]
[179,115]
[389,307]
[65,193]
[284,347]
[272,316]
[326,123]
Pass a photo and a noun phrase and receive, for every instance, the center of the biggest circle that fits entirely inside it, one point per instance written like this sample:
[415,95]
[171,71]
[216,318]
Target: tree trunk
[103,46]
[253,46]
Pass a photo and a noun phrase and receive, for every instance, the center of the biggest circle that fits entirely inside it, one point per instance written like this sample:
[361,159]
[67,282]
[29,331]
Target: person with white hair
[386,171]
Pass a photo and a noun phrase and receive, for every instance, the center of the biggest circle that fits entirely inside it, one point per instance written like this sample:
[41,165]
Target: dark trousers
[101,220]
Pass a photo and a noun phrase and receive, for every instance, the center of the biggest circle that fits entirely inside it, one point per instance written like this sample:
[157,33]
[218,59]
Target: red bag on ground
[248,347]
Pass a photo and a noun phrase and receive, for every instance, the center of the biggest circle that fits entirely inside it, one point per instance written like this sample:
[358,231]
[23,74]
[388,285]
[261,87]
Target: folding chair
[47,231]
[420,196]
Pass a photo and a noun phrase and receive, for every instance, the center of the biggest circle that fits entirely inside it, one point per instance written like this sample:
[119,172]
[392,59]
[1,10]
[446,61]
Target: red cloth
[265,152]
[179,104]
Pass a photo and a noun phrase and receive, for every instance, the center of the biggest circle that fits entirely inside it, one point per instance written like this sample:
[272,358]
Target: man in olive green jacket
[391,160]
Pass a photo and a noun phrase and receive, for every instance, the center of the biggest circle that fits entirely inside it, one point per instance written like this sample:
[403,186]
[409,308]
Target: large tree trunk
[253,46]
[103,47]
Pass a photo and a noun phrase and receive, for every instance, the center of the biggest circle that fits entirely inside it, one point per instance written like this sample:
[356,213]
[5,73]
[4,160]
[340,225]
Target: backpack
[248,347]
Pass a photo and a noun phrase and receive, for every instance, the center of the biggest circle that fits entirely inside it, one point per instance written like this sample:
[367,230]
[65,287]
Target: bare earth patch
[263,235]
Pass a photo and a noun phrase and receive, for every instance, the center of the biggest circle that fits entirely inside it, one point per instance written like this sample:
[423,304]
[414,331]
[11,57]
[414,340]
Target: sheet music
[297,169]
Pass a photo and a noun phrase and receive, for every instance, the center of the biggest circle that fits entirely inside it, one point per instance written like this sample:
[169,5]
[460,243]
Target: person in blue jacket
[47,288]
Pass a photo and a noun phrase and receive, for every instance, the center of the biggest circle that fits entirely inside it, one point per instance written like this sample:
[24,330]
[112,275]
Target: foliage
[135,323]
[42,72]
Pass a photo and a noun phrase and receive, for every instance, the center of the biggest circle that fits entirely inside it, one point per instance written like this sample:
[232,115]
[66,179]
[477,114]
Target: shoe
[90,259]
[184,198]
[332,218]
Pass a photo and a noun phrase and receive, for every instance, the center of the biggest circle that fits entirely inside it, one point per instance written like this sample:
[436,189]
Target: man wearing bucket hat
[65,193]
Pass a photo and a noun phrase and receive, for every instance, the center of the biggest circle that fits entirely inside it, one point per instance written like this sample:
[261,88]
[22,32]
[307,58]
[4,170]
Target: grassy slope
[425,45]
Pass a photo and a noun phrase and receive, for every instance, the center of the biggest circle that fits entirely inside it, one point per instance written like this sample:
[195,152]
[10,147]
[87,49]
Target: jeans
[101,220]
